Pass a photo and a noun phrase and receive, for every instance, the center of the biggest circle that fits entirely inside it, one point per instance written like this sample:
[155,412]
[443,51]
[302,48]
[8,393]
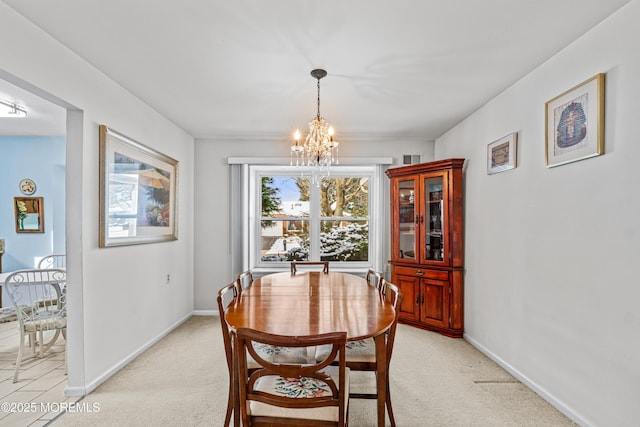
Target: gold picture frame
[574,123]
[29,212]
[502,154]
[138,192]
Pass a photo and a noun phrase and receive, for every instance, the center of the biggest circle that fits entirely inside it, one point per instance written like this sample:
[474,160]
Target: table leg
[381,376]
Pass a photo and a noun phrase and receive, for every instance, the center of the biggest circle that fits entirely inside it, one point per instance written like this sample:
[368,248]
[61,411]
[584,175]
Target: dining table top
[312,303]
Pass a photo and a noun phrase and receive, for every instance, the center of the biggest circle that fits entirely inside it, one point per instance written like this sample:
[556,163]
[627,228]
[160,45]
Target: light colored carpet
[436,381]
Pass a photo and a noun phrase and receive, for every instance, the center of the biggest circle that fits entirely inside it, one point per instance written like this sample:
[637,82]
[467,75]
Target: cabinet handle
[422,300]
[417,219]
[419,273]
[421,219]
[418,300]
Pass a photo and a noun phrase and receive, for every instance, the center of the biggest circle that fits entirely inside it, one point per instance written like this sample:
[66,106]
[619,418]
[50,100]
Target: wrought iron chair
[40,302]
[53,261]
[296,264]
[292,394]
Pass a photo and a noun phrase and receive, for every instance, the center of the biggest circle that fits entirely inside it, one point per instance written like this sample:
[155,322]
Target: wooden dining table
[311,303]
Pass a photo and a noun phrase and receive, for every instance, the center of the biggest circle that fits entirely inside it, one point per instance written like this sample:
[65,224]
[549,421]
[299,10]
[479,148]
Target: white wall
[212,240]
[118,300]
[551,286]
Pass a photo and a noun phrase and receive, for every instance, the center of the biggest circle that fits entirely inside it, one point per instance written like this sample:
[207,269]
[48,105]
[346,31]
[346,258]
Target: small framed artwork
[137,192]
[574,123]
[29,214]
[501,154]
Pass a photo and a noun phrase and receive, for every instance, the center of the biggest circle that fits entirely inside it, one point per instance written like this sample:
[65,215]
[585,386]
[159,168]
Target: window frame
[257,172]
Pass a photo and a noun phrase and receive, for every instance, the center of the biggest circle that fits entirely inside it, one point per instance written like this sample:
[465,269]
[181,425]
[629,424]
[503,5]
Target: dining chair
[40,304]
[296,264]
[244,280]
[361,355]
[53,261]
[227,296]
[374,278]
[363,358]
[293,394]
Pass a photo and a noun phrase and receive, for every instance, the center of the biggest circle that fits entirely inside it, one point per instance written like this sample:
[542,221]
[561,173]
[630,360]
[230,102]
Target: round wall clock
[27,186]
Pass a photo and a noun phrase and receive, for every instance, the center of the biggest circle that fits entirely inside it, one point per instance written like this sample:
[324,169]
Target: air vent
[410,159]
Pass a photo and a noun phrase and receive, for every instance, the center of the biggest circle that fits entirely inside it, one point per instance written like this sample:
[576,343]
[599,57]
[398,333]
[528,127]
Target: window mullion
[314,223]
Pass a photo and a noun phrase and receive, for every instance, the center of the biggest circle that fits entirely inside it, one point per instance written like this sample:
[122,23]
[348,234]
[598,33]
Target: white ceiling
[240,69]
[43,117]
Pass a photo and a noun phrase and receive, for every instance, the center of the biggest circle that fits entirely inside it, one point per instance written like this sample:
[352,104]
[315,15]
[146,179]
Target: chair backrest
[296,264]
[375,278]
[286,386]
[227,296]
[392,294]
[53,261]
[38,297]
[244,280]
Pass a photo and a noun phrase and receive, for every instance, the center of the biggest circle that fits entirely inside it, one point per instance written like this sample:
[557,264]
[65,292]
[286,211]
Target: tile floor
[37,396]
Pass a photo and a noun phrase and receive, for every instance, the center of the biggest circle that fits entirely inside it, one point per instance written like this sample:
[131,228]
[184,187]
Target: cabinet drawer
[422,272]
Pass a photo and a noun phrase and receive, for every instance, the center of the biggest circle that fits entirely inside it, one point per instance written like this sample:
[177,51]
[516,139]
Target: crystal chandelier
[319,150]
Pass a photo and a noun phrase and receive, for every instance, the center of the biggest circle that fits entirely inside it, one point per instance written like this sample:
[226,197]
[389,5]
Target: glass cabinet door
[434,218]
[407,219]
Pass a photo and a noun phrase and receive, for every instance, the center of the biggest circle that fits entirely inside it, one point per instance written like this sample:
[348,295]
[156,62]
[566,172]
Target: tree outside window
[341,216]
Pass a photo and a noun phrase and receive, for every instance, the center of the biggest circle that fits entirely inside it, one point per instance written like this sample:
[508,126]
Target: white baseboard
[75,391]
[560,406]
[80,391]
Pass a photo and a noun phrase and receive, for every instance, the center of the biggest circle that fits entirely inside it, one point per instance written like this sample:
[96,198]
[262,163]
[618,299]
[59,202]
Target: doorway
[51,117]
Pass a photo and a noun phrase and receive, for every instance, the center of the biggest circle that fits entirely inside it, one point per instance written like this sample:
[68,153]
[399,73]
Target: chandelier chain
[318,98]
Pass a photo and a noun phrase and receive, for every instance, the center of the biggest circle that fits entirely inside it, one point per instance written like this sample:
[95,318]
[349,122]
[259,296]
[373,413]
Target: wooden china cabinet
[427,244]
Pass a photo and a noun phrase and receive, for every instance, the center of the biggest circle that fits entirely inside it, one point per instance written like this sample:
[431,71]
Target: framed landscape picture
[137,192]
[501,154]
[574,123]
